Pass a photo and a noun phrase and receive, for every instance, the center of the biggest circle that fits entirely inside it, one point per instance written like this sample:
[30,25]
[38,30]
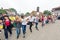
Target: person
[31,20]
[7,27]
[3,15]
[24,23]
[1,25]
[36,22]
[53,18]
[43,20]
[18,25]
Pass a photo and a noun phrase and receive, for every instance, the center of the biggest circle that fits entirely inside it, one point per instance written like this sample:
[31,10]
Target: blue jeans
[24,29]
[18,31]
[36,25]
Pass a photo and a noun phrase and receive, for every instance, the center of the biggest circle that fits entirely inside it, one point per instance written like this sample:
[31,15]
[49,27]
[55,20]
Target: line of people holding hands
[18,22]
[8,22]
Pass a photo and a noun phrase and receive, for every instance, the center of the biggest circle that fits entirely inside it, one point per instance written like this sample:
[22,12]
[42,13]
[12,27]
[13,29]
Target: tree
[27,14]
[13,10]
[2,11]
[33,13]
[46,12]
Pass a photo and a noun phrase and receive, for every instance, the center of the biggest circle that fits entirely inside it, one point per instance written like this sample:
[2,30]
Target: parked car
[58,17]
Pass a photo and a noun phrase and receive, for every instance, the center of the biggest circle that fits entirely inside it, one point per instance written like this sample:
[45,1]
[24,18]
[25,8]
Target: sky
[23,6]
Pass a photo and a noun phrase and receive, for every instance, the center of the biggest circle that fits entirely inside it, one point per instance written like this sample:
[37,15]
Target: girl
[42,20]
[18,25]
[1,25]
[24,23]
[36,21]
[7,24]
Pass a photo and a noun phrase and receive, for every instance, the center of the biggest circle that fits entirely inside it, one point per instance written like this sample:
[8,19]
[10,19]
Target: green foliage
[2,11]
[27,14]
[46,12]
[12,9]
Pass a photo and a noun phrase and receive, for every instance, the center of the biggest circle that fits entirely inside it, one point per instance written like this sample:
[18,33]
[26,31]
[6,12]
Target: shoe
[24,36]
[17,36]
[0,39]
[30,30]
[37,29]
[6,39]
[0,31]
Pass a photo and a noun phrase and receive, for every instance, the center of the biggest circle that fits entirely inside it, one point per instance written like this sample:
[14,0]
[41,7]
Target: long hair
[18,18]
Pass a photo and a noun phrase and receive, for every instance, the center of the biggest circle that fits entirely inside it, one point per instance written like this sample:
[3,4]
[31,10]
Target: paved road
[50,31]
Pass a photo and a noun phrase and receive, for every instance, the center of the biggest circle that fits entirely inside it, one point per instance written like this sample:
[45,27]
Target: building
[56,11]
[36,13]
[9,12]
[37,9]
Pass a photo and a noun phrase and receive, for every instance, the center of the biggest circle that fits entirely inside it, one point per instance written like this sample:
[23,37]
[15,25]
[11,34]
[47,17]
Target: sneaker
[30,30]
[17,36]
[0,31]
[24,36]
[37,29]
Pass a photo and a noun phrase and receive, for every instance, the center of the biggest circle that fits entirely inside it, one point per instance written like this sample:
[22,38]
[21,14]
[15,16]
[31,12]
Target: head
[3,14]
[6,18]
[0,21]
[17,17]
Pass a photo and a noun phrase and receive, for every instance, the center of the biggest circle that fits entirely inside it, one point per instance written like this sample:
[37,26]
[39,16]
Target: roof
[7,10]
[56,8]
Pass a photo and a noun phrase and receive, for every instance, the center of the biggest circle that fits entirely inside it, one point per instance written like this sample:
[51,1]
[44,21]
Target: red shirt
[7,22]
[42,18]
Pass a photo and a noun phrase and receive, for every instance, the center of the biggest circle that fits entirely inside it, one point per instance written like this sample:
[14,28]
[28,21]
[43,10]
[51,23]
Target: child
[7,28]
[1,25]
[18,25]
[36,22]
[24,23]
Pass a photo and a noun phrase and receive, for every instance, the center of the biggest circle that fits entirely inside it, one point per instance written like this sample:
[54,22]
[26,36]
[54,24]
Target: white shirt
[45,18]
[24,22]
[31,19]
[36,19]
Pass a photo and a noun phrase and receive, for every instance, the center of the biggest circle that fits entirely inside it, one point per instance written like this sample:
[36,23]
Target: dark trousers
[24,29]
[6,30]
[30,26]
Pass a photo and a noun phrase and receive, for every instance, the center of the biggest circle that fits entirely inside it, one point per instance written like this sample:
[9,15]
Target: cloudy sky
[23,6]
